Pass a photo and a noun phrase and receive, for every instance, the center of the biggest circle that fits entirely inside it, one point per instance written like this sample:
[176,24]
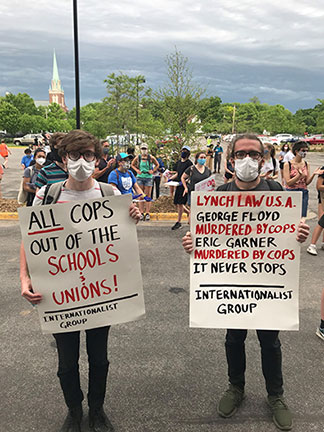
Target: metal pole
[76,64]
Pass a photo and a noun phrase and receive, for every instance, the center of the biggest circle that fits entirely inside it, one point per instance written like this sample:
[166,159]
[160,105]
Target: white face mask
[247,169]
[80,170]
[40,161]
[126,165]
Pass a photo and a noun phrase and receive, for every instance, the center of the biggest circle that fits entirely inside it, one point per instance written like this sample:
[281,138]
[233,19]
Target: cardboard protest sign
[83,258]
[244,271]
[208,184]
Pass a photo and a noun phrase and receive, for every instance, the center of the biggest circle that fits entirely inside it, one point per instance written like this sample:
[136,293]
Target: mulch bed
[163,205]
[8,205]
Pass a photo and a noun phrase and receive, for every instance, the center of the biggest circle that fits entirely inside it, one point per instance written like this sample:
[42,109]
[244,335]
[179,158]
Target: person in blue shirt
[218,151]
[122,177]
[25,161]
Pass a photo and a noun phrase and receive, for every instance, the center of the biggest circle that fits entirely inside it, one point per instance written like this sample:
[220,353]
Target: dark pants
[156,184]
[217,162]
[68,348]
[270,358]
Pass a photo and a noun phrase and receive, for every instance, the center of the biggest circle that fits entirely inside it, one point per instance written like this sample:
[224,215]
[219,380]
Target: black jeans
[68,348]
[271,359]
[156,183]
[217,162]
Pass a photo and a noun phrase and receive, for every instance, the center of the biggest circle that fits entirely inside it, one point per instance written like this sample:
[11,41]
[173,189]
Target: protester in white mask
[247,158]
[31,173]
[79,150]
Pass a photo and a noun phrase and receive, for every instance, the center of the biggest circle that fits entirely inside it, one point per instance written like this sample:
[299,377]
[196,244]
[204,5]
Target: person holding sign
[79,150]
[247,158]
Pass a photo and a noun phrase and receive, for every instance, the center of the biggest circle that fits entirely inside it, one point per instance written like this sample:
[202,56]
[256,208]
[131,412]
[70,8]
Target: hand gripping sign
[83,258]
[244,270]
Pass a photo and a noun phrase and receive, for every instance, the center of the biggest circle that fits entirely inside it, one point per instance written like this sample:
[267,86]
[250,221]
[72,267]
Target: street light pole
[76,64]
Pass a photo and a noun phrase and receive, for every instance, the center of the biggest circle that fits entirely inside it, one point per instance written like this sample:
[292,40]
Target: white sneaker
[312,249]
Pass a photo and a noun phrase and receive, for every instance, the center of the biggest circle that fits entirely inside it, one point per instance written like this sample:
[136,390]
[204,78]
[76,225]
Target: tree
[9,117]
[55,111]
[180,98]
[23,102]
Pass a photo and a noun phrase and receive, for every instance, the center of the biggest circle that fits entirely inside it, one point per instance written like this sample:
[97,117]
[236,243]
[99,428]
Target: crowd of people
[86,169]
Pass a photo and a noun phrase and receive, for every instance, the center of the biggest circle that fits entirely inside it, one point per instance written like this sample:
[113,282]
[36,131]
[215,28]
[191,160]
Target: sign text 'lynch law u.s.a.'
[83,258]
[244,270]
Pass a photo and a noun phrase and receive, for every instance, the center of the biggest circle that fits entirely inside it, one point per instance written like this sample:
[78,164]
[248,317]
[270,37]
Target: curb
[171,217]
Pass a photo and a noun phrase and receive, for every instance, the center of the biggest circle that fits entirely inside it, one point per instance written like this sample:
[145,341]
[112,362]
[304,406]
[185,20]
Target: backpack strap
[106,189]
[52,192]
[274,163]
[117,174]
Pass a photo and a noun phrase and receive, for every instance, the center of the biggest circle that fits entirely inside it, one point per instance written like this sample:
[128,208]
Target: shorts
[178,196]
[145,181]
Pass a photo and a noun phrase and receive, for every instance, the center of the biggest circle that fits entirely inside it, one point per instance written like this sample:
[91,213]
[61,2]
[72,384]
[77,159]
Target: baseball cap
[186,147]
[121,156]
[144,146]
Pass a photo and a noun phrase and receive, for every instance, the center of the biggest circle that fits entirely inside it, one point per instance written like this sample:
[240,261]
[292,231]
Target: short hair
[198,154]
[27,151]
[56,138]
[78,140]
[299,145]
[246,136]
[39,150]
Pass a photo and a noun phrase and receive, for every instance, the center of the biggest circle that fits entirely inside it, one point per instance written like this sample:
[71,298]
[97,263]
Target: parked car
[28,139]
[315,139]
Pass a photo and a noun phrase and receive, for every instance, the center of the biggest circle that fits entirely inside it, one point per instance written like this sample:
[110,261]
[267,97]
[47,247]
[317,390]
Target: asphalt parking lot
[164,376]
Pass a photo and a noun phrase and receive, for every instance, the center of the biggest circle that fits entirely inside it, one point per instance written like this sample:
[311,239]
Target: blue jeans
[304,199]
[145,181]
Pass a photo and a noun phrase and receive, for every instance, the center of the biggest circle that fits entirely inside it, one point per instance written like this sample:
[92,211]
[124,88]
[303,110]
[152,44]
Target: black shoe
[176,226]
[99,422]
[72,422]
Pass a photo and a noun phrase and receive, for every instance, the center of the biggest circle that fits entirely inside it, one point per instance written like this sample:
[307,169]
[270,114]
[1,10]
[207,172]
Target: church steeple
[56,92]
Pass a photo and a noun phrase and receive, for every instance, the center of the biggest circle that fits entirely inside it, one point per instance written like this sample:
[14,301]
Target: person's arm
[310,177]
[137,189]
[156,165]
[225,167]
[320,184]
[133,165]
[286,173]
[25,281]
[9,151]
[187,242]
[26,186]
[184,177]
[98,173]
[302,231]
[134,212]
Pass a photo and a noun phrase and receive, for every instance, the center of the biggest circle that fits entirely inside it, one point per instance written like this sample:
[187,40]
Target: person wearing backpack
[79,150]
[247,159]
[122,177]
[146,166]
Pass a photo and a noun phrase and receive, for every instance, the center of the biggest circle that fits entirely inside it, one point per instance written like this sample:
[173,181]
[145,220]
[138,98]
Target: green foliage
[23,102]
[9,117]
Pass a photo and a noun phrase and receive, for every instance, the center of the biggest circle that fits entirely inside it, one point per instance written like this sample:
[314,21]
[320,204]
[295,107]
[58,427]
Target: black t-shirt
[196,176]
[181,167]
[102,164]
[264,185]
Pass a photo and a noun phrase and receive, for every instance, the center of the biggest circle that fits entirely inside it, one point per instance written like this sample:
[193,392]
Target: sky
[237,49]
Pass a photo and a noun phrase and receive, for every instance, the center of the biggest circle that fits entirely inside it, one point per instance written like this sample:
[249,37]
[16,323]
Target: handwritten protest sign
[208,184]
[245,266]
[83,258]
